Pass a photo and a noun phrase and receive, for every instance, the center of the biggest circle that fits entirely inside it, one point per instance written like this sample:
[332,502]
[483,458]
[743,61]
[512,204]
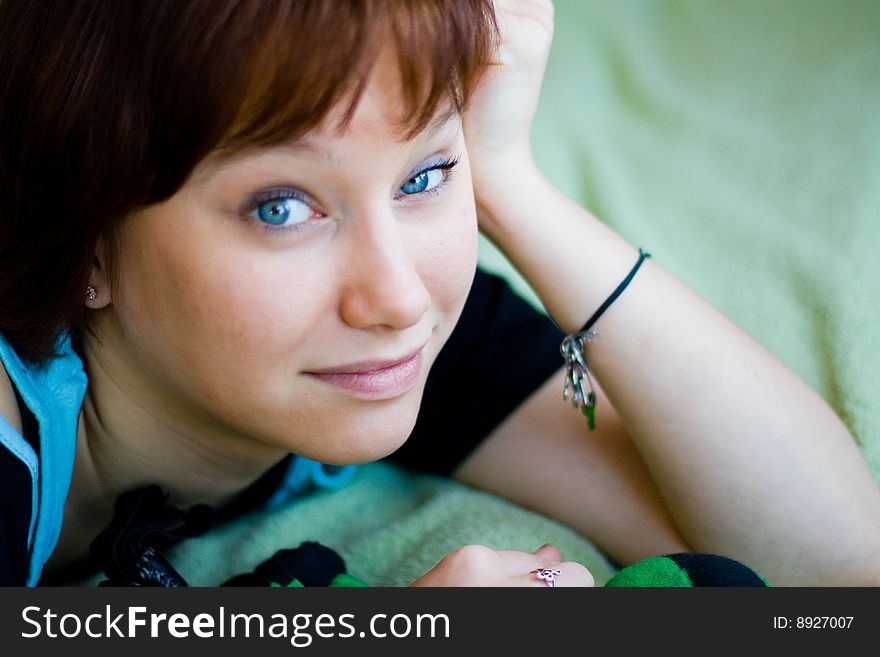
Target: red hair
[107,107]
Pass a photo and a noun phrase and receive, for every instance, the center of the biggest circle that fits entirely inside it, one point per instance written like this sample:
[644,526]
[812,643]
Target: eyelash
[447,166]
[279,194]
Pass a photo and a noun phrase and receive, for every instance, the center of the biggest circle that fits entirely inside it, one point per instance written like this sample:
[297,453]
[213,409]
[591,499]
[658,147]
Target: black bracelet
[577,377]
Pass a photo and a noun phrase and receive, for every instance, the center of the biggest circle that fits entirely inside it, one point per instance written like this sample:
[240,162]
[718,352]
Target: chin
[359,449]
[361,437]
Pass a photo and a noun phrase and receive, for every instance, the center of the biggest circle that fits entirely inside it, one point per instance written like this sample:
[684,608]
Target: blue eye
[422,182]
[282,209]
[429,179]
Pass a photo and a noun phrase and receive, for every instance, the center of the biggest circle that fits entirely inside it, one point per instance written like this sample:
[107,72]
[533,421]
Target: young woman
[235,231]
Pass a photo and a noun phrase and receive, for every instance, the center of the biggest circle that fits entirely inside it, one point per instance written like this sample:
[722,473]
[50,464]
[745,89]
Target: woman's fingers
[555,572]
[478,565]
[550,553]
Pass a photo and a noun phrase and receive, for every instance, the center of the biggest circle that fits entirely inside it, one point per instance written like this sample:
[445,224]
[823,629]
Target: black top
[500,352]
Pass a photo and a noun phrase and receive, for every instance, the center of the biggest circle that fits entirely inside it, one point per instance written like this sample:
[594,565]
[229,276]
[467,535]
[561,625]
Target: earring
[91,293]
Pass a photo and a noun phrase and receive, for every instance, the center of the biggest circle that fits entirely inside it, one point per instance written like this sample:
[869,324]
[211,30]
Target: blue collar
[54,395]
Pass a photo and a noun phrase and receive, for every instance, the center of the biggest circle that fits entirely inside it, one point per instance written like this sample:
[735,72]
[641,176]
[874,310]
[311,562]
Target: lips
[374,379]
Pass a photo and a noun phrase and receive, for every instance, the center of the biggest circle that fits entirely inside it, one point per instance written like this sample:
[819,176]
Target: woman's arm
[748,459]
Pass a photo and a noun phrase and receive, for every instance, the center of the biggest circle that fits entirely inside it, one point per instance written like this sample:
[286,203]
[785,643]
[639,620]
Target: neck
[132,434]
[135,434]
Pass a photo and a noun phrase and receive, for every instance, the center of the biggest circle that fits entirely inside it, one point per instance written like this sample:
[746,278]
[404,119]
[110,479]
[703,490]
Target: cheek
[448,258]
[216,311]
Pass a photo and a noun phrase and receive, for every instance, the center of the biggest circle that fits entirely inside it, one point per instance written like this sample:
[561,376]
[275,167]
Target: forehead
[374,121]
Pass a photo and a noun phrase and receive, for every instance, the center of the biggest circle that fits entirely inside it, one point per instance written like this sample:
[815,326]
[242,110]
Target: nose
[383,288]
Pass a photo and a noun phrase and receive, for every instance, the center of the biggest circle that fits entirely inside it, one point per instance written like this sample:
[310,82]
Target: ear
[98,294]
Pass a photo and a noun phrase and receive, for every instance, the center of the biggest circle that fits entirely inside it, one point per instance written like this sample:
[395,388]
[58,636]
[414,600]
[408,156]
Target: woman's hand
[498,121]
[478,565]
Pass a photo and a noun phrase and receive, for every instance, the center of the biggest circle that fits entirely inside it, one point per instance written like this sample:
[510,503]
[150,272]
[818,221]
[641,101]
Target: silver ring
[548,575]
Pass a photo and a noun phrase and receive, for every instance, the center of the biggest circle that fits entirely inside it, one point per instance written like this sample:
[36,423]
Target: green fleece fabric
[738,142]
[658,571]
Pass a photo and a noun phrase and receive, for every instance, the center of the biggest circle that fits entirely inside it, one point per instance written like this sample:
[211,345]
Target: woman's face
[298,295]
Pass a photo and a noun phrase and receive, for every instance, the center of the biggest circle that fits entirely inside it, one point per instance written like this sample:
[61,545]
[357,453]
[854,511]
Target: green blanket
[737,141]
